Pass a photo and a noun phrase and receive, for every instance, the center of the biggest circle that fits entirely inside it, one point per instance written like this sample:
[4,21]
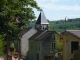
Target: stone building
[42,43]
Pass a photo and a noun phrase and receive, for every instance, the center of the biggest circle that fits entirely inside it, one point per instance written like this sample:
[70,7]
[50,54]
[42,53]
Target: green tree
[71,24]
[2,43]
[10,9]
[59,44]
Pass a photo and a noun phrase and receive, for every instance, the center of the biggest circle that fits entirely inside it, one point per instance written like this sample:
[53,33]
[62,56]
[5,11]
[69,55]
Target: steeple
[42,23]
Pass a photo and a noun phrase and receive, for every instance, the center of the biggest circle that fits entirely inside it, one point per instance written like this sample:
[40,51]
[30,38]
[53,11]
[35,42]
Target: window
[53,46]
[74,46]
[44,27]
[53,37]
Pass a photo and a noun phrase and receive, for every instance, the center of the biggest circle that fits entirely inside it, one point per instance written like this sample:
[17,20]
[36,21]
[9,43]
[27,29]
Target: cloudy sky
[59,9]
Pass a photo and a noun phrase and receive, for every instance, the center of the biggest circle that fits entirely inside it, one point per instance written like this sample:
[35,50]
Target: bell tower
[42,23]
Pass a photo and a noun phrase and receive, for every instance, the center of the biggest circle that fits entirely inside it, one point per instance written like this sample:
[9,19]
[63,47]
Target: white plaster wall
[25,42]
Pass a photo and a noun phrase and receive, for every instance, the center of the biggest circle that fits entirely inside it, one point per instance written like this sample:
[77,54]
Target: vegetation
[59,44]
[21,10]
[71,24]
[2,43]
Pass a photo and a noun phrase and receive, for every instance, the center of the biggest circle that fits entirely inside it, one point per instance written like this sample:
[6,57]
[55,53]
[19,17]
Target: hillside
[71,24]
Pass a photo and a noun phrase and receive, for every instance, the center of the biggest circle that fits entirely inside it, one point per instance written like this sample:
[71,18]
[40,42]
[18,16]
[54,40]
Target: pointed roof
[42,19]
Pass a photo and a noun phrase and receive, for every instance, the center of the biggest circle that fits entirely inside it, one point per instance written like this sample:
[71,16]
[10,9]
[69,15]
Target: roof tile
[74,32]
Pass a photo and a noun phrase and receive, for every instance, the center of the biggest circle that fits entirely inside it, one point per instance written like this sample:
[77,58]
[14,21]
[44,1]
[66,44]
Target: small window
[53,46]
[53,37]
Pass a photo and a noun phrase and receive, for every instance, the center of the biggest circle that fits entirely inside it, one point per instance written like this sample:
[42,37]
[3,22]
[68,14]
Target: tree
[2,43]
[59,44]
[10,9]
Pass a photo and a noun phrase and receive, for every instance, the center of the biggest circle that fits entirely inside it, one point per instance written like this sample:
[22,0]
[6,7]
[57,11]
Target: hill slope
[71,24]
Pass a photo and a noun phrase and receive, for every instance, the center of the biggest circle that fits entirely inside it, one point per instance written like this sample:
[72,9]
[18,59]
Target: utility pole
[16,21]
[6,38]
[65,22]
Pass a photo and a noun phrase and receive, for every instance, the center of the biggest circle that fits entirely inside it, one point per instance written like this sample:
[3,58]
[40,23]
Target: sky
[59,9]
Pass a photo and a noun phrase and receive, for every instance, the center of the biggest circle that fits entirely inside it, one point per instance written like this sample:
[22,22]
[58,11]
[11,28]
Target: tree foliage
[59,44]
[2,43]
[71,24]
[10,9]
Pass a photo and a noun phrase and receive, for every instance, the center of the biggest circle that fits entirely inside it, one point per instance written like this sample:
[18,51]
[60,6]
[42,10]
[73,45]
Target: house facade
[71,43]
[24,43]
[42,43]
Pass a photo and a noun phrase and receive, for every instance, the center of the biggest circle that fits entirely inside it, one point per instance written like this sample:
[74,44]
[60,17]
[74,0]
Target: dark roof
[75,33]
[24,31]
[40,35]
[42,19]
